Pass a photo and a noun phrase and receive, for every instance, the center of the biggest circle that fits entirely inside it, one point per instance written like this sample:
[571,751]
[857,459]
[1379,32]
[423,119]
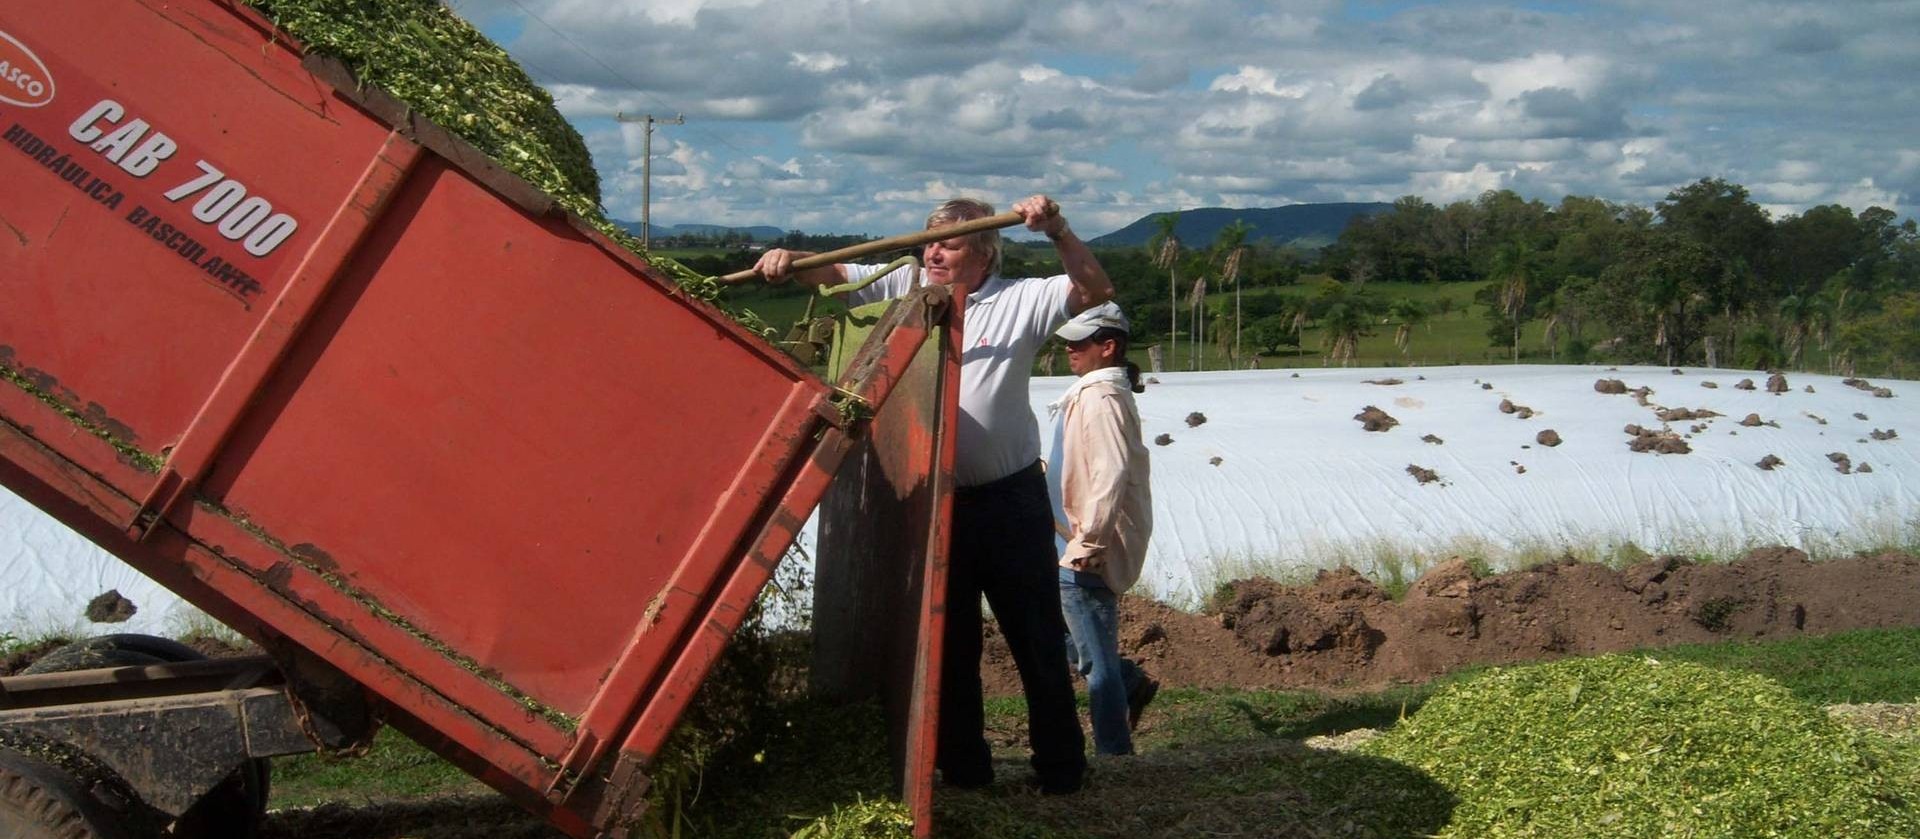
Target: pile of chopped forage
[427,57]
[1628,746]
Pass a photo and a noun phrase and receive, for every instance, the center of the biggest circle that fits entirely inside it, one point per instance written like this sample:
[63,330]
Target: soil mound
[110,607]
[1342,631]
[1374,419]
[1656,441]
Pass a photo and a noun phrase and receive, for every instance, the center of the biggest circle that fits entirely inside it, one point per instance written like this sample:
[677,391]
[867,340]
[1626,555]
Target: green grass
[780,306]
[393,769]
[1224,762]
[1457,337]
[1868,665]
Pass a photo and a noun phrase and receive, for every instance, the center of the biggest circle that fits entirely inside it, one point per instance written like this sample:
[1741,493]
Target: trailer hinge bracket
[848,407]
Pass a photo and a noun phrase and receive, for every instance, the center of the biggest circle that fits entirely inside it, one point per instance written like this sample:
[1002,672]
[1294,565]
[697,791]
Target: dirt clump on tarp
[1374,419]
[1343,631]
[1683,414]
[110,607]
[1658,441]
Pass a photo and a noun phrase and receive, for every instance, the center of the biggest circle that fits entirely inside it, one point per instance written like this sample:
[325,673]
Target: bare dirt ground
[1342,632]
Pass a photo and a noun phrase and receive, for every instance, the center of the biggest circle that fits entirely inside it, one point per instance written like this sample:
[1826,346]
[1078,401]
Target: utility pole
[646,169]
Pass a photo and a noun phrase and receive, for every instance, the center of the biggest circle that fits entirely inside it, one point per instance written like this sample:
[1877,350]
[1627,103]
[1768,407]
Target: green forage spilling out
[445,69]
[1630,746]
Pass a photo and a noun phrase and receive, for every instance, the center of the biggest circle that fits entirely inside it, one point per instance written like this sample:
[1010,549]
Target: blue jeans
[1093,650]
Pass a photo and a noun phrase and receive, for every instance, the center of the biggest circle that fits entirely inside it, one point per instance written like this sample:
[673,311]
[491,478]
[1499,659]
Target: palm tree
[1344,324]
[1409,313]
[1165,248]
[1796,315]
[1513,269]
[1196,302]
[1232,243]
[1566,310]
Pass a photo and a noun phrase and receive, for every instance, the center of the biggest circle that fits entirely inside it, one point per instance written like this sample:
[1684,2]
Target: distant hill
[1301,225]
[758,233]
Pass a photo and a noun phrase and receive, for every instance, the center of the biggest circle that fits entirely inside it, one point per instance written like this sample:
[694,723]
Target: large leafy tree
[1661,294]
[1810,247]
[1736,232]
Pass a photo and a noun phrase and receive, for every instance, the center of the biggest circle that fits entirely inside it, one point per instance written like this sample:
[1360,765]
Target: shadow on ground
[1272,788]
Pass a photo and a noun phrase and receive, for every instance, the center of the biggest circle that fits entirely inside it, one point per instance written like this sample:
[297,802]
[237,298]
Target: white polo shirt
[1007,322]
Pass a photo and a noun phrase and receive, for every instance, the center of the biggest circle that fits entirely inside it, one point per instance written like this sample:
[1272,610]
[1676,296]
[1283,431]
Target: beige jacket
[1104,479]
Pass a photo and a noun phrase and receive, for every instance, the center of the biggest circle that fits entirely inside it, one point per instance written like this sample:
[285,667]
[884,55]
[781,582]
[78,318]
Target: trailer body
[334,377]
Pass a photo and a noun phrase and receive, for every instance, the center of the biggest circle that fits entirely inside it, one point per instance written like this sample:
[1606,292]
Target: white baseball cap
[1104,316]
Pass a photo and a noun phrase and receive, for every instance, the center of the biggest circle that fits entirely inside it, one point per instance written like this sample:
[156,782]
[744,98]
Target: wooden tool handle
[908,240]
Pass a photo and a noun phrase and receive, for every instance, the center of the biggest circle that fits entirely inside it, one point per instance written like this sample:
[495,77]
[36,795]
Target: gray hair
[956,210]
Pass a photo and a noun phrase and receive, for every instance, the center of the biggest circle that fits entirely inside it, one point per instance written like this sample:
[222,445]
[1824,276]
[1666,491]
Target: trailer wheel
[39,801]
[125,650]
[232,810]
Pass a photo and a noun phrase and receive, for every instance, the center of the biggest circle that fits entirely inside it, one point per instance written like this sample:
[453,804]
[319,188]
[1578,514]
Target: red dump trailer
[455,459]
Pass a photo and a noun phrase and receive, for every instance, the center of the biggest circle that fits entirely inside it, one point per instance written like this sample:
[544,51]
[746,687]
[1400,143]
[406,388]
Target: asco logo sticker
[24,81]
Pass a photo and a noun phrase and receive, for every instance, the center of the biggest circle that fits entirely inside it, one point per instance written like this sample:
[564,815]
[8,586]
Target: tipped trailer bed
[455,459]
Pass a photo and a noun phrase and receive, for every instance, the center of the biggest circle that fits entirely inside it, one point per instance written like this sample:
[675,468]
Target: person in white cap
[1001,532]
[1105,517]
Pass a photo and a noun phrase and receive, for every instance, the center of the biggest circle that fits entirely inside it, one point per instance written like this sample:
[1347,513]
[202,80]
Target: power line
[646,170]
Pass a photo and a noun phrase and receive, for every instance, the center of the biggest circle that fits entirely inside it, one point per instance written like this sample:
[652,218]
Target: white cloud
[1258,80]
[860,111]
[818,62]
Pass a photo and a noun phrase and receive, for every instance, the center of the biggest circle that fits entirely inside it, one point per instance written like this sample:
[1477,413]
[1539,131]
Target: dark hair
[1119,338]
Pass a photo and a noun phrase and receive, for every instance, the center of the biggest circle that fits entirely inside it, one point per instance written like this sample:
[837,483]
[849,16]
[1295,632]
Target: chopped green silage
[424,55]
[441,66]
[1629,746]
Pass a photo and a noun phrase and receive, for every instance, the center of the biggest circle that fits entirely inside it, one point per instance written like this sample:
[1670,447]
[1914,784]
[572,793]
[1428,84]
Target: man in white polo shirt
[1002,520]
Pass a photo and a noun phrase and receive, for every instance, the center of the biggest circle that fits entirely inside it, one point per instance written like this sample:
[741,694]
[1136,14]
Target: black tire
[232,810]
[39,801]
[112,651]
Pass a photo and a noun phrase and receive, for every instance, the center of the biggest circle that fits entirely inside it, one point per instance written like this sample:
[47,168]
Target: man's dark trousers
[1003,547]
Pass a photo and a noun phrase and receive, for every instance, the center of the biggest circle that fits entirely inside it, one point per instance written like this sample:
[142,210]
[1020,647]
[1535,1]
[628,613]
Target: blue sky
[858,115]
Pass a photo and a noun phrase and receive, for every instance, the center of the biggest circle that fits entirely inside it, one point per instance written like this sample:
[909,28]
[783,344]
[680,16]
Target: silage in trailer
[440,65]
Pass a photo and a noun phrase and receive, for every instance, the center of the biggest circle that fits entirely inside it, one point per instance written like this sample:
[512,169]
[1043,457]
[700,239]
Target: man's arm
[1091,287]
[776,266]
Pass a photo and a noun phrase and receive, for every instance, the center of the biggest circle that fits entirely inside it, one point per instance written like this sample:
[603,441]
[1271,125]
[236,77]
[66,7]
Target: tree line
[1704,276]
